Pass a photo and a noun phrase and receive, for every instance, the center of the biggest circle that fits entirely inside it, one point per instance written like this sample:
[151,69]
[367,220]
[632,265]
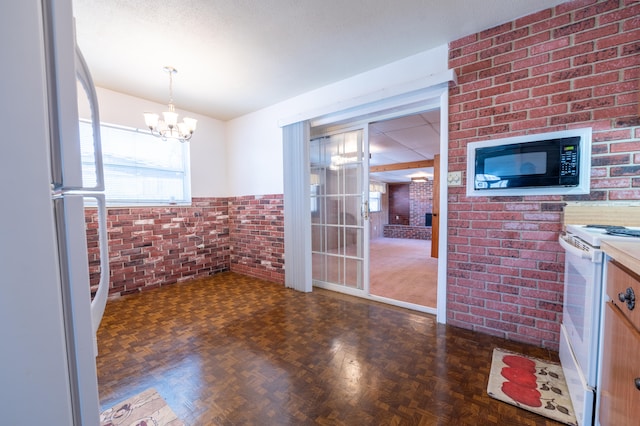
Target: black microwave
[546,164]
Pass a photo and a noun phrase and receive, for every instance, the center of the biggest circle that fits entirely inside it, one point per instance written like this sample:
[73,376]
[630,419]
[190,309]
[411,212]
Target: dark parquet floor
[234,350]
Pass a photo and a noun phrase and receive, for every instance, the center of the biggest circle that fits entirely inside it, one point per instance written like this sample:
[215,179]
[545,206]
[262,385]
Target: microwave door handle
[84,77]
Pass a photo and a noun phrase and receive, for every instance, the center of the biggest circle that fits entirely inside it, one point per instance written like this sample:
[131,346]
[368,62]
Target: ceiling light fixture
[169,128]
[419,179]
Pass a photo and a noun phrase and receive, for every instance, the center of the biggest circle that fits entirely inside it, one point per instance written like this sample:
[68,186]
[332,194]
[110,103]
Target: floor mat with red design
[532,384]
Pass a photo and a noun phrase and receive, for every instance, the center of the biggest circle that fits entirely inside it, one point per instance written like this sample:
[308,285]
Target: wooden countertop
[581,214]
[625,252]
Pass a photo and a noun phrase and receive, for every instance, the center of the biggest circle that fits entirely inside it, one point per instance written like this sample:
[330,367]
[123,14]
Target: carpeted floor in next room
[403,269]
[232,350]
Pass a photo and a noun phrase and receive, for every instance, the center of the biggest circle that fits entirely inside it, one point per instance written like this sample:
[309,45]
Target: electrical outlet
[454,179]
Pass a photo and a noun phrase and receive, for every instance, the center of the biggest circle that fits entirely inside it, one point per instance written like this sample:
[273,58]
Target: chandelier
[168,127]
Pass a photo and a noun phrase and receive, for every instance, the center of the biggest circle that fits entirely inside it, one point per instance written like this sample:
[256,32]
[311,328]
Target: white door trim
[425,94]
[441,308]
[385,98]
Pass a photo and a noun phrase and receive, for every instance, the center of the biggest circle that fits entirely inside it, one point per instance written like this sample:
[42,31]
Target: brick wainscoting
[256,225]
[154,246]
[408,232]
[572,66]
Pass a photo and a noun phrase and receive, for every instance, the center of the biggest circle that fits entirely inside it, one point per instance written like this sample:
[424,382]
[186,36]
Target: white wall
[254,141]
[208,148]
[244,156]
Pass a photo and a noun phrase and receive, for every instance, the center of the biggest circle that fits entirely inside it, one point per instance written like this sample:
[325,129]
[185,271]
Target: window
[375,202]
[138,168]
[376,189]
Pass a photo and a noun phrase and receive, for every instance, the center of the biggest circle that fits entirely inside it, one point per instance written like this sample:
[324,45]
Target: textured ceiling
[237,56]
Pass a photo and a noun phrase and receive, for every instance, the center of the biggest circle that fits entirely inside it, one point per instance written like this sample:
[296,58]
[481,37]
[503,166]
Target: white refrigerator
[48,319]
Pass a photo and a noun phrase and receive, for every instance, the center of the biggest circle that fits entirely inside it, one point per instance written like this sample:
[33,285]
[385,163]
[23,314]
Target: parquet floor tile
[234,350]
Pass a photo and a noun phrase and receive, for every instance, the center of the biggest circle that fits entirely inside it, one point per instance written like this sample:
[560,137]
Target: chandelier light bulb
[169,127]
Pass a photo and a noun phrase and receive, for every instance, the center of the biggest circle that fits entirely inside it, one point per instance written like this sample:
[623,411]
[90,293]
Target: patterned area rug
[145,409]
[532,384]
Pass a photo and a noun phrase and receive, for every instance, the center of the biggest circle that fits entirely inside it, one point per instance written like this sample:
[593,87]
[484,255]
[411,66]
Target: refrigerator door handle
[100,299]
[84,77]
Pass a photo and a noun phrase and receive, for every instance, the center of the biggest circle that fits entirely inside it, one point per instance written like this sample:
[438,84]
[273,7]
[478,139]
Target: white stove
[594,234]
[581,315]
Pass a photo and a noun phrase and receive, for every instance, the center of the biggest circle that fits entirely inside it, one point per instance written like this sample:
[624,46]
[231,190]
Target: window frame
[119,201]
[377,197]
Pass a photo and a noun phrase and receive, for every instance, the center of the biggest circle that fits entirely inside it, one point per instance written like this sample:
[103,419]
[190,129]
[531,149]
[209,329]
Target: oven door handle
[575,251]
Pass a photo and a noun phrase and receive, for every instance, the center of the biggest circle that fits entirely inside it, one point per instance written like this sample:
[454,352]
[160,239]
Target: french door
[339,210]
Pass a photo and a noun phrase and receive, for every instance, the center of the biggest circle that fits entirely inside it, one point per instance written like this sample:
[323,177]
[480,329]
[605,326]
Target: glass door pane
[337,201]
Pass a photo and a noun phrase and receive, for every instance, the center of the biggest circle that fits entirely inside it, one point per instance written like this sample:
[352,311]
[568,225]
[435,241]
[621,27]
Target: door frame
[418,97]
[364,122]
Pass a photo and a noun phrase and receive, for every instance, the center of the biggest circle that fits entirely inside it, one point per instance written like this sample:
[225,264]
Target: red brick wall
[153,246]
[407,232]
[256,225]
[421,201]
[576,65]
[409,202]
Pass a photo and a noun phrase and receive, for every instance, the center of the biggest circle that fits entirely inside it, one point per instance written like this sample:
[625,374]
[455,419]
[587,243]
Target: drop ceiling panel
[403,156]
[432,116]
[415,137]
[429,151]
[399,123]
[401,175]
[380,160]
[382,143]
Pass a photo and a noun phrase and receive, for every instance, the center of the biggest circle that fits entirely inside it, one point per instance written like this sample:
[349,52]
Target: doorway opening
[403,174]
[373,210]
[298,131]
